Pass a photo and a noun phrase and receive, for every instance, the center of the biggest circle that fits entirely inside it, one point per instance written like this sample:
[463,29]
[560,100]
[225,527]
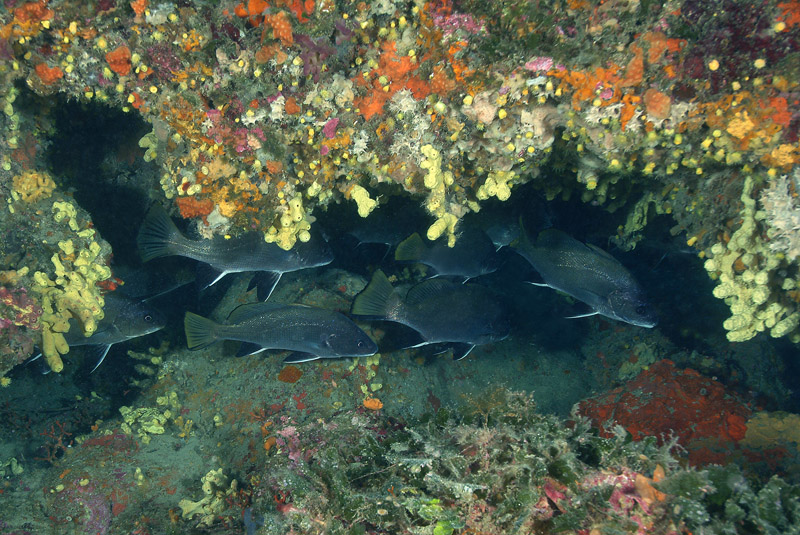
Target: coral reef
[263,112]
[19,321]
[55,267]
[502,468]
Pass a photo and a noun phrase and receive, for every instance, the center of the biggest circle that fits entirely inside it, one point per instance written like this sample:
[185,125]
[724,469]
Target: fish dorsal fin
[428,289]
[552,238]
[602,252]
[251,310]
[555,239]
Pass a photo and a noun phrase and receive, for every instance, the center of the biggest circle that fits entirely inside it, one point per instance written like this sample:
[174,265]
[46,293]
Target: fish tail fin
[158,236]
[379,299]
[200,332]
[412,249]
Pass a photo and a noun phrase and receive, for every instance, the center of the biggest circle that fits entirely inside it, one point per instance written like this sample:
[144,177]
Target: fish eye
[360,343]
[641,310]
[148,318]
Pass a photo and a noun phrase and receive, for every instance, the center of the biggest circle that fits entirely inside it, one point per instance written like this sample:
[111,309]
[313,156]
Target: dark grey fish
[588,274]
[503,234]
[464,315]
[473,254]
[160,237]
[389,224]
[149,284]
[309,331]
[124,319]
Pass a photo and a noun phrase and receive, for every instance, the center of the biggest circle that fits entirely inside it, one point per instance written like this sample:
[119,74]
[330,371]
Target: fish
[124,319]
[589,274]
[150,284]
[159,237]
[439,310]
[473,254]
[311,332]
[502,235]
[381,227]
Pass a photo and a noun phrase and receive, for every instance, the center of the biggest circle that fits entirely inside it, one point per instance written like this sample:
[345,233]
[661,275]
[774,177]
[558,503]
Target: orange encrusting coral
[290,374]
[664,400]
[634,71]
[119,60]
[585,84]
[139,7]
[254,9]
[281,27]
[396,70]
[33,12]
[191,207]
[657,103]
[48,75]
[291,107]
[790,13]
[628,109]
[373,404]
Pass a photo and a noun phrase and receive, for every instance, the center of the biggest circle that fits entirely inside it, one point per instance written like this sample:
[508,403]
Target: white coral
[782,215]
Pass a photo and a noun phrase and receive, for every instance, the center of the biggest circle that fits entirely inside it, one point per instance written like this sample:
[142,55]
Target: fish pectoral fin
[438,349]
[264,282]
[39,362]
[462,350]
[298,357]
[206,275]
[248,348]
[592,313]
[100,353]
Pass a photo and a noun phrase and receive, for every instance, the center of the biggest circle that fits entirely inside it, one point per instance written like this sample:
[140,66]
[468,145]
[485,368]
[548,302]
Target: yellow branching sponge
[751,281]
[31,186]
[294,224]
[70,291]
[365,204]
[498,184]
[217,488]
[437,182]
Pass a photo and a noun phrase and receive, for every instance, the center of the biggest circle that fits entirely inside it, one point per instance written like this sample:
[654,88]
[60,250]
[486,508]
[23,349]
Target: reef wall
[263,112]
